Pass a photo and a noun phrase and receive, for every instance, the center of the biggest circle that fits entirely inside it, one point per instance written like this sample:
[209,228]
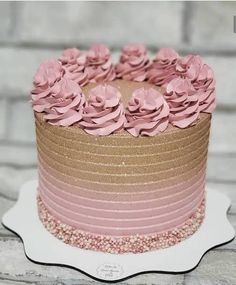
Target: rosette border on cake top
[186,89]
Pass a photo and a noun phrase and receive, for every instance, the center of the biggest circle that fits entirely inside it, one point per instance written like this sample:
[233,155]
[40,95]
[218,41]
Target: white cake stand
[43,247]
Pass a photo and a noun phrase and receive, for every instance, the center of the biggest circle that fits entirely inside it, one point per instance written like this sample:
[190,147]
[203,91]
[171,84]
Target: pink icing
[103,114]
[150,214]
[168,69]
[63,104]
[183,101]
[47,74]
[202,78]
[74,62]
[163,67]
[205,85]
[134,63]
[147,113]
[99,66]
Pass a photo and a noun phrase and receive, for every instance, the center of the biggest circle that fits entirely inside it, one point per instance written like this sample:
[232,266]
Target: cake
[122,147]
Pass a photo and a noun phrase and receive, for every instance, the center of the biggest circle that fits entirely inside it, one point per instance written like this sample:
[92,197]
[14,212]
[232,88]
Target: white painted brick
[212,25]
[21,122]
[12,179]
[117,23]
[18,155]
[5,20]
[221,168]
[229,190]
[19,67]
[3,118]
[225,78]
[223,133]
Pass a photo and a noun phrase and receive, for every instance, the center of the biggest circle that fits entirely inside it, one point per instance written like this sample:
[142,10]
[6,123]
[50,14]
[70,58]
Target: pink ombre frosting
[183,101]
[163,67]
[134,63]
[62,105]
[74,62]
[99,66]
[147,113]
[103,114]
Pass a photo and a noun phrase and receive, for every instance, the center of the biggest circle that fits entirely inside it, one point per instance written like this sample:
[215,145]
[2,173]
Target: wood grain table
[218,266]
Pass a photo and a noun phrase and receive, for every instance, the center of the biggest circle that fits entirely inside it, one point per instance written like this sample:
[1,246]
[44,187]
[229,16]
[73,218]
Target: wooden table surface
[218,266]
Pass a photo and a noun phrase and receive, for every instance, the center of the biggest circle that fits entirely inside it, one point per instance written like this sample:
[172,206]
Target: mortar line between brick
[7,118]
[182,48]
[186,22]
[15,7]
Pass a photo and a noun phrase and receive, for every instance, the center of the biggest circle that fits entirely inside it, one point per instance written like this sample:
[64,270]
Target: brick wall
[33,31]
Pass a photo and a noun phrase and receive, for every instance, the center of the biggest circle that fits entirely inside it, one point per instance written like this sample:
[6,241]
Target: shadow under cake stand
[43,247]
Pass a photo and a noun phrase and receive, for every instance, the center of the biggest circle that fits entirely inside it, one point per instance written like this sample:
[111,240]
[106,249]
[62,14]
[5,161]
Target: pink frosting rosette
[99,66]
[183,101]
[205,85]
[134,63]
[189,66]
[48,73]
[74,62]
[163,67]
[202,78]
[63,105]
[147,113]
[103,113]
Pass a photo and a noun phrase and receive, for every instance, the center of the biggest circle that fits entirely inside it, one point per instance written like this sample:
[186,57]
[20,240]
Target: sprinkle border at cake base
[118,245]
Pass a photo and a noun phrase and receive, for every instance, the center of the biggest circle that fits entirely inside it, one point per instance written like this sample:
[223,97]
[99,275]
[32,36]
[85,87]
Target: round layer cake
[126,191]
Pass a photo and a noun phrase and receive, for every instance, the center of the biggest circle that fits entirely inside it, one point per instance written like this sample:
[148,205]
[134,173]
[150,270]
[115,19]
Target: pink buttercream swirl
[204,83]
[134,63]
[63,105]
[147,113]
[74,62]
[103,113]
[48,73]
[99,66]
[183,101]
[163,67]
[189,66]
[202,78]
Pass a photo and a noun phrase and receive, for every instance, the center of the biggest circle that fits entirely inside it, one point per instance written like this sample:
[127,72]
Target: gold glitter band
[126,187]
[121,139]
[113,168]
[124,178]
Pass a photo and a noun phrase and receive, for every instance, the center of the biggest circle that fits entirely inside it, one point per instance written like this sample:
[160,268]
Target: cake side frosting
[157,191]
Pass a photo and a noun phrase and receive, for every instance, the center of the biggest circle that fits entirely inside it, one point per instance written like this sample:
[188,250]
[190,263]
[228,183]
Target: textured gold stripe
[116,196]
[76,163]
[160,139]
[124,139]
[145,159]
[126,187]
[164,147]
[125,178]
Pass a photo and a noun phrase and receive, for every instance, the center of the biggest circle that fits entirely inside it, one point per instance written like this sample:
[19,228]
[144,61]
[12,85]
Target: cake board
[42,247]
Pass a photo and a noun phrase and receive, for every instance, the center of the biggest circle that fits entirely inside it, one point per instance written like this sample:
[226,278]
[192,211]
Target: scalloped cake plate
[43,247]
